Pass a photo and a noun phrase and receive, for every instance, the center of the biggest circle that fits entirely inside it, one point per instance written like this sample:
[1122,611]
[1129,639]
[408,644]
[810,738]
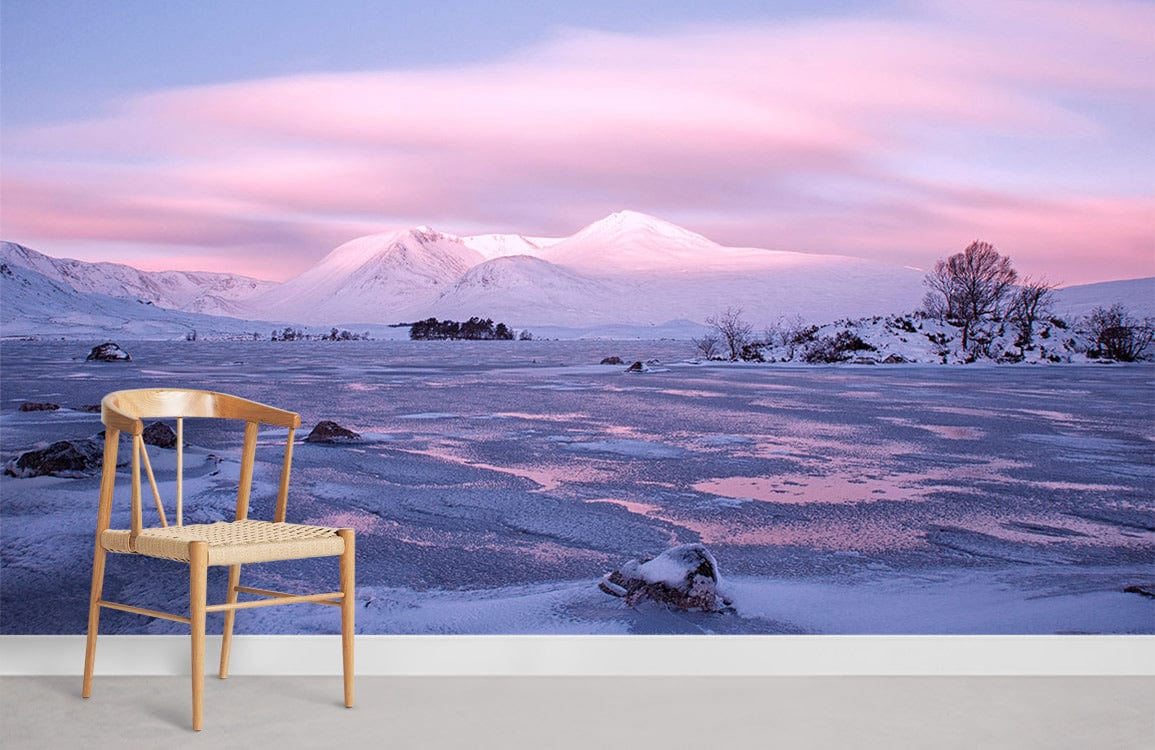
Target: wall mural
[557,415]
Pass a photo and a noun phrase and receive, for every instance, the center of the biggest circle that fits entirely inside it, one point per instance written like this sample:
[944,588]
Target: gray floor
[267,713]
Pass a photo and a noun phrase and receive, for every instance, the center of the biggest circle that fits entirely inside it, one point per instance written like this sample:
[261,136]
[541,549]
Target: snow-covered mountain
[32,304]
[524,289]
[502,245]
[383,278]
[631,243]
[190,291]
[628,269]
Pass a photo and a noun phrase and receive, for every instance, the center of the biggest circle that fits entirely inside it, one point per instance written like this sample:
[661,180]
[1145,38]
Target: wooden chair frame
[123,412]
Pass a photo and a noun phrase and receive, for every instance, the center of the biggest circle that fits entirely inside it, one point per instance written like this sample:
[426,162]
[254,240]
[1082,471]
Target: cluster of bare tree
[732,336]
[979,285]
[1117,334]
[977,290]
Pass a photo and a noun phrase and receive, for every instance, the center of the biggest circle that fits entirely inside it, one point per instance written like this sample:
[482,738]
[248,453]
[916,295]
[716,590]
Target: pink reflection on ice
[945,431]
[642,509]
[1053,529]
[360,521]
[547,477]
[797,489]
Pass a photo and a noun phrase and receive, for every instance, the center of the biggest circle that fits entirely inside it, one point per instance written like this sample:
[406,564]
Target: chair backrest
[124,411]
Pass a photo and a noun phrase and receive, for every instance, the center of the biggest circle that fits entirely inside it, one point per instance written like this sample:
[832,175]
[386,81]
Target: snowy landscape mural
[754,319]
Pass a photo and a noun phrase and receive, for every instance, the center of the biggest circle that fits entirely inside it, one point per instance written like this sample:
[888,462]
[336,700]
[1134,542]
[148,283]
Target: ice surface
[949,499]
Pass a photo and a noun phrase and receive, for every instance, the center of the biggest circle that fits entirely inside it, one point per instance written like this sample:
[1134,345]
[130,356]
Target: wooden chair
[241,541]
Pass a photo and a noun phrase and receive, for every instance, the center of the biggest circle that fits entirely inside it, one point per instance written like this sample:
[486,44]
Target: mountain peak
[629,222]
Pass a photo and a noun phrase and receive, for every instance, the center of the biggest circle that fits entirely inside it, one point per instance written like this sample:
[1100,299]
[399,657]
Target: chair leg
[93,617]
[348,587]
[198,584]
[230,617]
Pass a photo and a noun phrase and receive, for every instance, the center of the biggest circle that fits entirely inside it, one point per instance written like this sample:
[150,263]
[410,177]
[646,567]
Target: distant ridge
[627,270]
[189,291]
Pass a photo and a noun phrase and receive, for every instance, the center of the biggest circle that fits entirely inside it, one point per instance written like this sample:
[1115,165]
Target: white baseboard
[568,655]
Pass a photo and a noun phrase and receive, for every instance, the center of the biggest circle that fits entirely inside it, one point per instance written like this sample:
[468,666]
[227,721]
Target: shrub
[837,348]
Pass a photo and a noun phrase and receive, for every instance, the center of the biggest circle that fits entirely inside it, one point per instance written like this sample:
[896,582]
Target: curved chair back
[125,411]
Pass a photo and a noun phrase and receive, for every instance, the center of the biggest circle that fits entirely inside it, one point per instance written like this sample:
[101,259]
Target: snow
[383,278]
[501,245]
[628,268]
[627,275]
[918,339]
[490,497]
[197,292]
[32,304]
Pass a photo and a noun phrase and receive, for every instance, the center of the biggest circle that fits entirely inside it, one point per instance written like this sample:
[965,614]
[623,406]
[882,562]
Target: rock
[108,352]
[684,577]
[894,359]
[331,432]
[613,361]
[90,408]
[36,406]
[864,361]
[638,367]
[1147,591]
[66,458]
[160,435]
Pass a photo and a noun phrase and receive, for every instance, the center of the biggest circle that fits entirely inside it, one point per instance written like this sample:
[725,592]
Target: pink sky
[899,137]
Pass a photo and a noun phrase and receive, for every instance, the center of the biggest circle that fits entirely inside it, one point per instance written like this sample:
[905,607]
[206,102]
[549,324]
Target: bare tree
[707,345]
[735,331]
[1029,303]
[1117,335]
[969,286]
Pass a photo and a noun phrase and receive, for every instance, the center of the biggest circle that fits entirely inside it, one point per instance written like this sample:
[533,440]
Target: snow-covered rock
[38,406]
[108,352]
[685,577]
[65,458]
[327,431]
[160,435]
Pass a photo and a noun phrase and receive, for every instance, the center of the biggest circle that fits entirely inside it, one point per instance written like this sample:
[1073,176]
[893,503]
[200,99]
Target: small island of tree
[474,329]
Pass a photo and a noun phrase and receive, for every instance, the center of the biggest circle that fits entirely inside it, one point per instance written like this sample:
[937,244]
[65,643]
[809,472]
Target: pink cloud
[797,136]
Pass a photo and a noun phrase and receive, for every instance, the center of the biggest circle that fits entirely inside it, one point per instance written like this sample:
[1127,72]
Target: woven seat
[231,543]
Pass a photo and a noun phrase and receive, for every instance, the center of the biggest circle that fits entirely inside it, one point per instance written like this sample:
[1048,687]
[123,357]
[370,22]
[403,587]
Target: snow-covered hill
[1137,295]
[522,289]
[628,269]
[381,278]
[628,242]
[32,304]
[190,291]
[501,245]
[634,269]
[915,338]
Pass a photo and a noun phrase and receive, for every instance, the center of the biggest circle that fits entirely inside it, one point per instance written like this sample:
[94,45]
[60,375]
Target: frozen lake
[497,482]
